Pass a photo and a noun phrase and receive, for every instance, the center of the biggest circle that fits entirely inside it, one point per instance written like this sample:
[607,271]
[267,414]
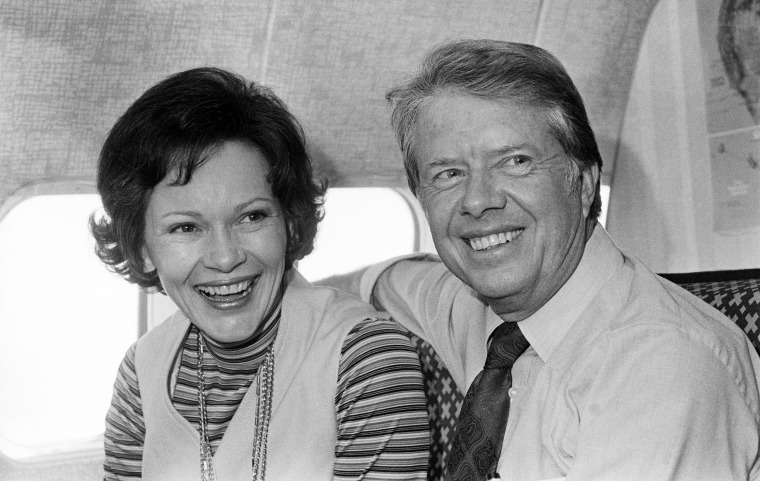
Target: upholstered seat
[735,293]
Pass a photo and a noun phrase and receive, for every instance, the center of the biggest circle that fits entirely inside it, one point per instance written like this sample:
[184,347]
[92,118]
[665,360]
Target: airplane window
[66,323]
[361,227]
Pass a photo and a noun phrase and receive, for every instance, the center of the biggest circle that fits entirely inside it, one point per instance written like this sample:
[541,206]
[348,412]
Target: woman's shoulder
[156,339]
[339,306]
[379,336]
[379,328]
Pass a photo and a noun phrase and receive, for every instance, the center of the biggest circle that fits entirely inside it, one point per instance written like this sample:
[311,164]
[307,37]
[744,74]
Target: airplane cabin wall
[665,204]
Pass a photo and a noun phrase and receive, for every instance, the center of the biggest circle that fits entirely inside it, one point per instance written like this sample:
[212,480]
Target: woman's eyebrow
[244,205]
[189,213]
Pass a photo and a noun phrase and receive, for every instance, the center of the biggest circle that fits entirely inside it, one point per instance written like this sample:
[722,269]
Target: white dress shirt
[628,376]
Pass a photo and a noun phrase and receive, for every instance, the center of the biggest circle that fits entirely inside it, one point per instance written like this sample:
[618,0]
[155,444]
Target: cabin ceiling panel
[332,62]
[70,67]
[598,42]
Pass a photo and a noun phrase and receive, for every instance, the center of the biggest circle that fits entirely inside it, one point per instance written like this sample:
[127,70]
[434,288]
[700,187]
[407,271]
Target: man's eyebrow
[509,149]
[443,162]
[494,152]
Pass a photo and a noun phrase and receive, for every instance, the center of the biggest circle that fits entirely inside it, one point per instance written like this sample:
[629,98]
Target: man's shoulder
[659,314]
[653,300]
[641,308]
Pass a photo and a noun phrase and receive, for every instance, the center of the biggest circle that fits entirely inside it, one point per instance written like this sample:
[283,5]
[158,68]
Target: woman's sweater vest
[302,430]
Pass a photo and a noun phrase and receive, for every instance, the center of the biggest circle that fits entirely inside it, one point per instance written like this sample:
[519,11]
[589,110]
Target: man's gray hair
[500,71]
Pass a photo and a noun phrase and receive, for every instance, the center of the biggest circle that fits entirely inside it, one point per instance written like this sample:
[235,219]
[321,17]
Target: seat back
[444,399]
[735,293]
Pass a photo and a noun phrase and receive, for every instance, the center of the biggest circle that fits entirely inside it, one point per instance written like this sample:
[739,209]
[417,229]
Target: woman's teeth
[493,240]
[225,290]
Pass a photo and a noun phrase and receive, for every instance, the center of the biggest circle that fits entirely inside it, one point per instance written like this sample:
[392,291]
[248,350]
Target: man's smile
[492,240]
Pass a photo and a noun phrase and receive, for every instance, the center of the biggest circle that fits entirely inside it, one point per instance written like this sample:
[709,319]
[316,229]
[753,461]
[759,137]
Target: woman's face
[218,243]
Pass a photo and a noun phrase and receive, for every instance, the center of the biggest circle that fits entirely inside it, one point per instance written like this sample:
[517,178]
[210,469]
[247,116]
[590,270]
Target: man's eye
[448,174]
[518,160]
[183,228]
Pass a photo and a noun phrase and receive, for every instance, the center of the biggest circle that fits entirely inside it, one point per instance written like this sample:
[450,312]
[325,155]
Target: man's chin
[498,290]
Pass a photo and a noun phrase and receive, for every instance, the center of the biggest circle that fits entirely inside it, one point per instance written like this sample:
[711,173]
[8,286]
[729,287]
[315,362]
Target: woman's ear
[292,232]
[147,263]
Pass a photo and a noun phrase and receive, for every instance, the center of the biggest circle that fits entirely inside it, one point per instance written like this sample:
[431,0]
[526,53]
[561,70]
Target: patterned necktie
[483,418]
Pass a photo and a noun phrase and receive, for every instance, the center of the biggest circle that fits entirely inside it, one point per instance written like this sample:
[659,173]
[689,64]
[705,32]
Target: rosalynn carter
[209,198]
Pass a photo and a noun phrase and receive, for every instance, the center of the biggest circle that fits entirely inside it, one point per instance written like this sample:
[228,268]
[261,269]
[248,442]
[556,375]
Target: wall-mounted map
[730,39]
[736,180]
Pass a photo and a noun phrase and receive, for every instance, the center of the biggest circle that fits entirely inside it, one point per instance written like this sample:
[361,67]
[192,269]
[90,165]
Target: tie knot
[507,343]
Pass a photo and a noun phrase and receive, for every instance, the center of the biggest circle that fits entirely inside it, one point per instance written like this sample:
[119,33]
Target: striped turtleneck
[380,410]
[228,371]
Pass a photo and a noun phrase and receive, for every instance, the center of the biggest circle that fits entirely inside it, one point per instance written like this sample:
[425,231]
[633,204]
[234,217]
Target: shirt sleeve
[125,425]
[418,292]
[661,405]
[383,430]
[423,296]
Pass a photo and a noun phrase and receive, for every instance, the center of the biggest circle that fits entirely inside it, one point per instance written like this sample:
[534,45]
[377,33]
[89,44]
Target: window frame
[89,449]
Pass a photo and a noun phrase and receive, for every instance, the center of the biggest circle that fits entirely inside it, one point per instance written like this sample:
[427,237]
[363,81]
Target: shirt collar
[547,326]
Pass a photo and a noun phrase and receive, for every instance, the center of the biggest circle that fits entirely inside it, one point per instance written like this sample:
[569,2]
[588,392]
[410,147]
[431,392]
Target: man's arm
[371,283]
[424,297]
[348,282]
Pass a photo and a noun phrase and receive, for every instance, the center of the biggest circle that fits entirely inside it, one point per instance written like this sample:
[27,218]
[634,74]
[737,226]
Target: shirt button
[512,392]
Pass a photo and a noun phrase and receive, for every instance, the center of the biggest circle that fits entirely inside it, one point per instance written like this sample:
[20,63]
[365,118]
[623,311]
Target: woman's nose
[224,252]
[481,193]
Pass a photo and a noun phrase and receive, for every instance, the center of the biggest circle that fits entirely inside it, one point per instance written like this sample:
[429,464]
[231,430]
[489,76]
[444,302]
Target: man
[627,376]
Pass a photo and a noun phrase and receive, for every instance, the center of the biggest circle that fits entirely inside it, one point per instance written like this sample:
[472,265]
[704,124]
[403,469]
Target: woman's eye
[254,216]
[183,228]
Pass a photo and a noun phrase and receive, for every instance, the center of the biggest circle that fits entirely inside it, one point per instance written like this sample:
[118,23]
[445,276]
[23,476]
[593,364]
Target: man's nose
[482,193]
[224,252]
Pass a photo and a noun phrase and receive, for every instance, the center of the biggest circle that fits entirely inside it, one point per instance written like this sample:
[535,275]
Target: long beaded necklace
[264,388]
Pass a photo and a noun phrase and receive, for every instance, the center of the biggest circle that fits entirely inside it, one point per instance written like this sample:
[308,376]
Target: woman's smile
[227,295]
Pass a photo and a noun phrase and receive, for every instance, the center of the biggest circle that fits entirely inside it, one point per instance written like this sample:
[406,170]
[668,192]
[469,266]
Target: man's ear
[147,262]
[589,181]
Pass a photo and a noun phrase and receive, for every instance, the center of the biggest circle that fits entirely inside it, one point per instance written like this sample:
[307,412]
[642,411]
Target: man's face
[494,188]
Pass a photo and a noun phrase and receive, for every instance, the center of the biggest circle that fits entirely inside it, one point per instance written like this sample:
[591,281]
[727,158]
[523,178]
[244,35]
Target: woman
[209,198]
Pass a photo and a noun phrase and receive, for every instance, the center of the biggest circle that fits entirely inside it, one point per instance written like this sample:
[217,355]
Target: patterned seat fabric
[735,293]
[444,401]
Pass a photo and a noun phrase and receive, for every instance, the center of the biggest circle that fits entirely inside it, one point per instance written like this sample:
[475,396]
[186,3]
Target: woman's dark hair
[171,129]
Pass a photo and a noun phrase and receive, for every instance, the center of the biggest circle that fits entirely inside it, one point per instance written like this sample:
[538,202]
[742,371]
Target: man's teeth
[226,290]
[492,240]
